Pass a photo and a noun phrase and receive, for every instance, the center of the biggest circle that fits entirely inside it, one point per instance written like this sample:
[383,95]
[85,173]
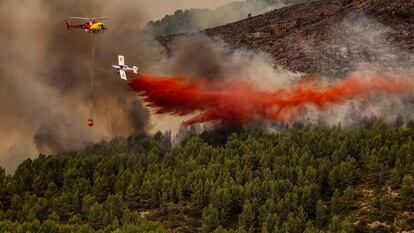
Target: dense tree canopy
[302,179]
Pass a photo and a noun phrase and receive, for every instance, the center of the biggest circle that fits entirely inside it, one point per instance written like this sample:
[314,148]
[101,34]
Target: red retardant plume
[242,102]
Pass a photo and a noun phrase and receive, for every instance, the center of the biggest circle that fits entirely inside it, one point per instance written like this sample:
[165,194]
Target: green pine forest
[304,178]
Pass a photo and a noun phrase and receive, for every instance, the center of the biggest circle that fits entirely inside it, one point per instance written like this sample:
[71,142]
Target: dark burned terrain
[297,36]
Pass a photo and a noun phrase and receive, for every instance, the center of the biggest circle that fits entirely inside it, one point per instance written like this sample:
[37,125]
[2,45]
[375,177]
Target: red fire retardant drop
[90,122]
[242,102]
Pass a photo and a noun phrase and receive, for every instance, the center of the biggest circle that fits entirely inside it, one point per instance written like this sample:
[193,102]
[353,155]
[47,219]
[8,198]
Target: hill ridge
[288,34]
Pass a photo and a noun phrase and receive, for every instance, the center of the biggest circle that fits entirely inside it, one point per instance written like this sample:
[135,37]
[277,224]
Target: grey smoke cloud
[359,43]
[45,81]
[199,56]
[362,45]
[45,78]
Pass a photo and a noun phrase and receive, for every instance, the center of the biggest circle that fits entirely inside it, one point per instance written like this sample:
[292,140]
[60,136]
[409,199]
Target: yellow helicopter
[93,25]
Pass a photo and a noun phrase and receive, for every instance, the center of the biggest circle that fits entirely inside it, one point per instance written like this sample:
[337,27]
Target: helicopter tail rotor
[68,26]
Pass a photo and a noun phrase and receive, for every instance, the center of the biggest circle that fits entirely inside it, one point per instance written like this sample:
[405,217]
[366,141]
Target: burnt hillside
[320,37]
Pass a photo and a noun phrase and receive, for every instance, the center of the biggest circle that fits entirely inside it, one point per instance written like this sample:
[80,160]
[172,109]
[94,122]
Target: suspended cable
[91,107]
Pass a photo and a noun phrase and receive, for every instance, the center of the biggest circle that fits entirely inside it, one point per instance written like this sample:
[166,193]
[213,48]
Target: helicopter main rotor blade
[83,18]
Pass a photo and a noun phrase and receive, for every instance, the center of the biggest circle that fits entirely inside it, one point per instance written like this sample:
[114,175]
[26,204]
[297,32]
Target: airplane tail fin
[67,25]
[135,69]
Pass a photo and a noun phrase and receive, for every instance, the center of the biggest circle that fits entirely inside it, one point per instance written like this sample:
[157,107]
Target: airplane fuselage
[122,69]
[125,68]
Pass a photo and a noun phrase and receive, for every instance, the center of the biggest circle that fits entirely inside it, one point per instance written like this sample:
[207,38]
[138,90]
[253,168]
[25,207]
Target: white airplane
[122,68]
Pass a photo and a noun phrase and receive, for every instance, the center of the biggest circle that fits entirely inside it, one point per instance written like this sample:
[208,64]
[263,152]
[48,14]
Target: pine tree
[210,219]
[51,190]
[96,215]
[129,217]
[87,202]
[296,222]
[321,214]
[335,225]
[39,185]
[310,228]
[113,206]
[407,191]
[247,216]
[101,188]
[148,194]
[386,208]
[122,181]
[132,193]
[54,216]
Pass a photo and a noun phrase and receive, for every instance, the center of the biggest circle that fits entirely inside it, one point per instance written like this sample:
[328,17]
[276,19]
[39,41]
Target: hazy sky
[156,9]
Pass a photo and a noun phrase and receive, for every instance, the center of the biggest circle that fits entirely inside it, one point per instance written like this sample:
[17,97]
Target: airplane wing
[121,60]
[123,75]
